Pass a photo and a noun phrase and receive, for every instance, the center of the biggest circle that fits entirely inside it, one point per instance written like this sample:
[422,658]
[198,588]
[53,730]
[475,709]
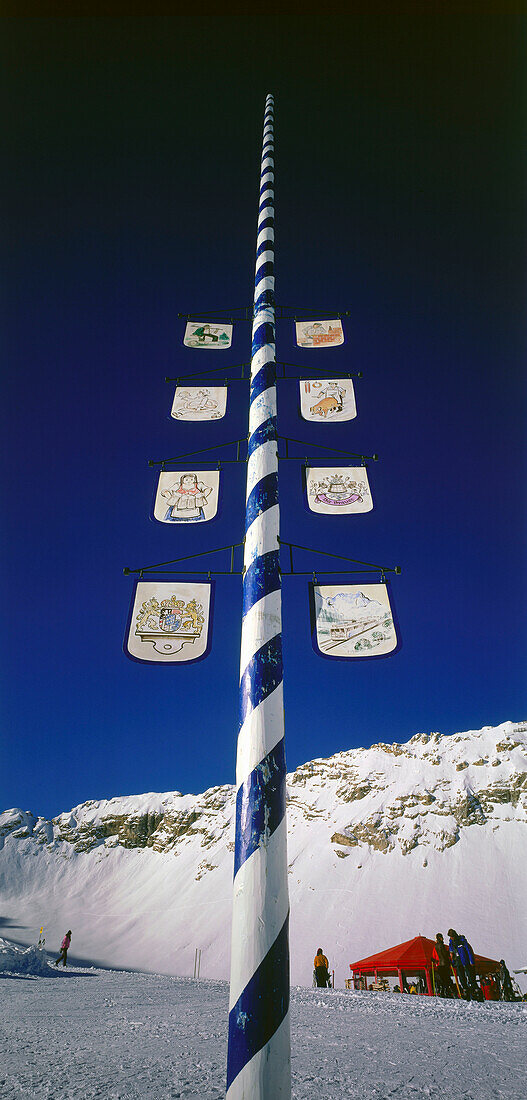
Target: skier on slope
[321,970]
[465,965]
[64,947]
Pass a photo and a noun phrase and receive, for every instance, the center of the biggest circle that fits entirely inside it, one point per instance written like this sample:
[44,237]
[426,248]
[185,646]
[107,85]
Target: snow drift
[19,960]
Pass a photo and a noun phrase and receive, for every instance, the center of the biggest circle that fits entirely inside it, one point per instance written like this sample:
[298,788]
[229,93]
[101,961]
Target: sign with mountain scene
[169,622]
[325,400]
[319,334]
[186,496]
[353,620]
[203,334]
[199,402]
[338,490]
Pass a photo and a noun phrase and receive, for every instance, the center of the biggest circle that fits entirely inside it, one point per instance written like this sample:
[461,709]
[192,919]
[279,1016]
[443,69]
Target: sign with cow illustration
[319,334]
[326,401]
[353,620]
[169,622]
[338,490]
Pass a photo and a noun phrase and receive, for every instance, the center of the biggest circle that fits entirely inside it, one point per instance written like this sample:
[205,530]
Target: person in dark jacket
[464,962]
[64,947]
[505,981]
[321,969]
[443,970]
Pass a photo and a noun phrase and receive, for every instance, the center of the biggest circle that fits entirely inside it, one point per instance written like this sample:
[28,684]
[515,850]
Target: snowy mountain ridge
[437,821]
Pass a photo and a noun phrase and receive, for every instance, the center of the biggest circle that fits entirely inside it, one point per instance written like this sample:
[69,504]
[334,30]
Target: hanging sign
[186,496]
[169,621]
[353,620]
[199,402]
[319,334]
[327,400]
[201,334]
[338,490]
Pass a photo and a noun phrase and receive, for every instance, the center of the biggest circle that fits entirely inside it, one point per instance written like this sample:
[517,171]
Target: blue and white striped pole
[259,1059]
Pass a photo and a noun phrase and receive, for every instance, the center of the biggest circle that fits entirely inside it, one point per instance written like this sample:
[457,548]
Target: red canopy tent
[411,957]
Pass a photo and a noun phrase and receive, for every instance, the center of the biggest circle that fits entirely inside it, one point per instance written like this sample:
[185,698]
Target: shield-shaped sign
[319,334]
[186,496]
[199,402]
[203,334]
[169,622]
[170,619]
[353,620]
[327,400]
[338,490]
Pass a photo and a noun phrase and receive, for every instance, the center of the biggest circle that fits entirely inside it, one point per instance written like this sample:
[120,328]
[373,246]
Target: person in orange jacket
[321,969]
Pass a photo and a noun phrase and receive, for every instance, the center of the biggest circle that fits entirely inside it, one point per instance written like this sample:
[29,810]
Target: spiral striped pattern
[258,1064]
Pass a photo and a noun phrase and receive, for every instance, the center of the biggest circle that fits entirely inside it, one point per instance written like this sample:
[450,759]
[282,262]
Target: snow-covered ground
[84,1033]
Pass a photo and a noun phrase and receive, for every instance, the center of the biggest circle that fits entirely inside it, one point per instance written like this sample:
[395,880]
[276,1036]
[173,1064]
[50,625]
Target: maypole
[258,1064]
[169,622]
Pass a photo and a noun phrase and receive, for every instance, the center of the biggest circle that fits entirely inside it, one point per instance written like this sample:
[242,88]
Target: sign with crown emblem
[185,496]
[353,620]
[325,400]
[199,402]
[319,334]
[338,490]
[169,622]
[203,334]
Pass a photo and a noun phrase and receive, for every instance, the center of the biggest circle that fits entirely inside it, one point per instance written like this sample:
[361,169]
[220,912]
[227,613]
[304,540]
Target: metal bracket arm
[160,567]
[303,443]
[190,454]
[211,370]
[368,566]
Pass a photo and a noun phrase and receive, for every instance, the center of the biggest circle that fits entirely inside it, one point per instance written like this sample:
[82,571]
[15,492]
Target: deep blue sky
[130,169]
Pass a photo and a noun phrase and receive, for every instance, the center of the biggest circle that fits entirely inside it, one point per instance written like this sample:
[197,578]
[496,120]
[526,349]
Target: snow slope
[384,843]
[86,1033]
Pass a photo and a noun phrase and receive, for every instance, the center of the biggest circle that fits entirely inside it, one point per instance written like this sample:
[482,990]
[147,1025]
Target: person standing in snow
[505,983]
[321,969]
[443,969]
[465,965]
[64,947]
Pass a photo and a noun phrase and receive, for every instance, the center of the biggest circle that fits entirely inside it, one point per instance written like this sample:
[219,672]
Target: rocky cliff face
[355,822]
[388,796]
[119,823]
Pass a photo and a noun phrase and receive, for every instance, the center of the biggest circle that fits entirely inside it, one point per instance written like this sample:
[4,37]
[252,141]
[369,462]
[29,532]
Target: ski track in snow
[86,1033]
